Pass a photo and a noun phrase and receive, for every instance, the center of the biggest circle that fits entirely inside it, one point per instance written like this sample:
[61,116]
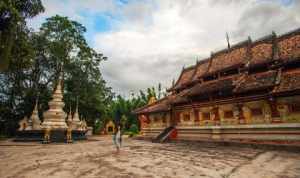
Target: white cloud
[153,39]
[155,45]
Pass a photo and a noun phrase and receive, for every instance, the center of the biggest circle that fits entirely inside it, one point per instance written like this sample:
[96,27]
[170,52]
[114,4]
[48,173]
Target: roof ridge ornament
[227,39]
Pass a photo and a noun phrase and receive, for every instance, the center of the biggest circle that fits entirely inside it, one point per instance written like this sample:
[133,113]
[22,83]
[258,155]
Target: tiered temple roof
[258,81]
[290,81]
[184,78]
[270,64]
[161,105]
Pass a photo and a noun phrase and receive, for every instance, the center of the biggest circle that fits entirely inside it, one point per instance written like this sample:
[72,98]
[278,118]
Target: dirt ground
[142,159]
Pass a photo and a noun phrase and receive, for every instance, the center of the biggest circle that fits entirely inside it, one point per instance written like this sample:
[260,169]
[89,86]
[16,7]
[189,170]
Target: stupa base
[55,136]
[29,136]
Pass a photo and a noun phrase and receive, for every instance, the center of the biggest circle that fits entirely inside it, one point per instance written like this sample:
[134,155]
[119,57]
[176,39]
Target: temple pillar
[215,115]
[192,117]
[196,116]
[275,115]
[283,110]
[247,114]
[238,113]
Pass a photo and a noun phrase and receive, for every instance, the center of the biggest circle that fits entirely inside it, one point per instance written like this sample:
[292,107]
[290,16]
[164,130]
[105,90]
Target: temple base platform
[284,132]
[55,136]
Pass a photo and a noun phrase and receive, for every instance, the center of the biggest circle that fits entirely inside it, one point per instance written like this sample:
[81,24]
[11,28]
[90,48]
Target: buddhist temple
[248,91]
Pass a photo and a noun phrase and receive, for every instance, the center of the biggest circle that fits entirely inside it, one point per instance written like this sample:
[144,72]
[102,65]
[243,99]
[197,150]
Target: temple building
[249,91]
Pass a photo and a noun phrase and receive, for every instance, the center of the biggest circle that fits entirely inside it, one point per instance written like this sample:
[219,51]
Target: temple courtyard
[138,159]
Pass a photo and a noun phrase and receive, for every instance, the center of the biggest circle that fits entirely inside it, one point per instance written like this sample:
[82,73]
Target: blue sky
[148,41]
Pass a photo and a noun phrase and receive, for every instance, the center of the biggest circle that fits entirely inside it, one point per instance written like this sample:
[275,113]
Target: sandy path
[143,159]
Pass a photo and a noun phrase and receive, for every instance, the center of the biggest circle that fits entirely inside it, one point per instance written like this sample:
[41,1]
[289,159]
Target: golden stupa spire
[36,122]
[54,118]
[76,121]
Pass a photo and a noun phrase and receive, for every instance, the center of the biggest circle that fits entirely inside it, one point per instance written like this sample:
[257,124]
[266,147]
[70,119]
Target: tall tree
[67,49]
[37,59]
[13,14]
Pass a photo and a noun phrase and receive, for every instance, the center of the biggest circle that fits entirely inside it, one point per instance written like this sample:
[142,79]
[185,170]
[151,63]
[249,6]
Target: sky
[149,41]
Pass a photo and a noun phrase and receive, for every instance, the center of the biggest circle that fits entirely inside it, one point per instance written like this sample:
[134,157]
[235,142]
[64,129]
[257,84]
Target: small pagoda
[54,127]
[54,118]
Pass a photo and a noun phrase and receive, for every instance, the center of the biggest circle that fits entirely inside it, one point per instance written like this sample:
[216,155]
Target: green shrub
[134,129]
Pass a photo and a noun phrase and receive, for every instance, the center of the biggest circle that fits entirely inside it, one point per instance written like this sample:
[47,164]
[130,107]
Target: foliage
[38,59]
[134,128]
[99,126]
[123,107]
[13,14]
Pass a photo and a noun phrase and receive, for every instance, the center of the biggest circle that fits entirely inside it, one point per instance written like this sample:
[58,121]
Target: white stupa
[54,118]
[69,118]
[35,119]
[76,123]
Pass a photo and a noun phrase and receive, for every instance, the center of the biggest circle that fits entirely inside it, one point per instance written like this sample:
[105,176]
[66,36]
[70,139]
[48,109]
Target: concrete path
[143,159]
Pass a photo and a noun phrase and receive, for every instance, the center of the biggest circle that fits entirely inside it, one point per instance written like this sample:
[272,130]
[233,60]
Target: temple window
[164,118]
[210,77]
[206,116]
[228,114]
[186,117]
[177,117]
[257,69]
[230,72]
[256,111]
[196,114]
[292,65]
[294,107]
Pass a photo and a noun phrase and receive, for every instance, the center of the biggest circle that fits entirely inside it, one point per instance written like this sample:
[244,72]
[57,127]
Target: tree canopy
[38,58]
[120,109]
[13,14]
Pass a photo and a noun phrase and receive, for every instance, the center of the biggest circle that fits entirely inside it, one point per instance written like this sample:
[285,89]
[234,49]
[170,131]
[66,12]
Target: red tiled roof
[161,105]
[224,60]
[179,98]
[289,47]
[212,86]
[201,69]
[261,53]
[256,81]
[290,81]
[184,78]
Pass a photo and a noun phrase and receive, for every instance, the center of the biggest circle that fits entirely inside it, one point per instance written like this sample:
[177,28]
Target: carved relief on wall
[283,111]
[255,112]
[236,112]
[205,116]
[151,118]
[226,115]
[186,117]
[289,109]
[247,114]
[158,120]
[214,115]
[267,112]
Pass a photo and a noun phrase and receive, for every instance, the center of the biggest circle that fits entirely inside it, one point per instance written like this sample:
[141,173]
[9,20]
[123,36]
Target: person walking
[117,138]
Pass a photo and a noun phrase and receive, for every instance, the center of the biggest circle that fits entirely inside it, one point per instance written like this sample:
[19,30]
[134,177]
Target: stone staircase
[163,136]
